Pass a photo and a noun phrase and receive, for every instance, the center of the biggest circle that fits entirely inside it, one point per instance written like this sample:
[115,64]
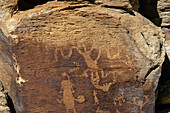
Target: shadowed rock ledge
[64,57]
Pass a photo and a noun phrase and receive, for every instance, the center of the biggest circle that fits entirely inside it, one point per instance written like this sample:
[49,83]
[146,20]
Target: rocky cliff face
[65,57]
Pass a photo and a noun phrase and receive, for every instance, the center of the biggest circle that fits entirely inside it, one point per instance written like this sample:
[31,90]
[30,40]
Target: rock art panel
[72,57]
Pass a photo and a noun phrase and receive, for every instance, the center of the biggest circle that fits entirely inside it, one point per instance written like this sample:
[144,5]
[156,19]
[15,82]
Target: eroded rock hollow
[80,57]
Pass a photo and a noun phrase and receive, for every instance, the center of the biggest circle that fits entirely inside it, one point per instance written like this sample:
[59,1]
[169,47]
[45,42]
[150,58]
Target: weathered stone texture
[81,57]
[3,101]
[163,100]
[164,12]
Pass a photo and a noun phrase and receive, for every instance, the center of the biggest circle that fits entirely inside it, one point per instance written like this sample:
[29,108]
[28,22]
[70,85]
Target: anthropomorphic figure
[68,99]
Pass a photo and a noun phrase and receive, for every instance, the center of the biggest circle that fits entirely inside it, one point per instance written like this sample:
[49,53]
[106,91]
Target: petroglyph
[119,99]
[140,103]
[62,53]
[93,68]
[93,71]
[112,57]
[101,111]
[55,55]
[66,56]
[96,100]
[80,99]
[117,111]
[68,99]
[92,64]
[95,79]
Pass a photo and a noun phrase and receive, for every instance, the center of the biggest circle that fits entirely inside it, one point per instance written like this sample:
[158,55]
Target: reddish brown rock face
[82,58]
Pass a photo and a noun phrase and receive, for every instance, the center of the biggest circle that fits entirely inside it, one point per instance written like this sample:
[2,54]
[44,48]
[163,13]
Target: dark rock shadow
[10,104]
[29,4]
[148,8]
[162,104]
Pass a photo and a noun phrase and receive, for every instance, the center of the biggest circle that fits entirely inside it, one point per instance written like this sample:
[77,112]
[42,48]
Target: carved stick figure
[96,100]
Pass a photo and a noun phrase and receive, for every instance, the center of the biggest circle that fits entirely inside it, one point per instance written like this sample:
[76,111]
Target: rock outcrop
[64,57]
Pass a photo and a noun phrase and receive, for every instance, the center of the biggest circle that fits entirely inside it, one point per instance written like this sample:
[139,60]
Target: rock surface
[163,101]
[3,101]
[77,57]
[164,84]
[164,12]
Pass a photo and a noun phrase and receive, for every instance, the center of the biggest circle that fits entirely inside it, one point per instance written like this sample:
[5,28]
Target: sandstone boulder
[77,57]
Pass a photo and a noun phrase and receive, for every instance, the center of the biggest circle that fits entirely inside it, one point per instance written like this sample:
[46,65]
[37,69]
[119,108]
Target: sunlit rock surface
[164,12]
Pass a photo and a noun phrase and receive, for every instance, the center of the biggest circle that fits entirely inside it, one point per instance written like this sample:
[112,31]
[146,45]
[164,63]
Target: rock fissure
[124,8]
[72,7]
[149,72]
[10,104]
